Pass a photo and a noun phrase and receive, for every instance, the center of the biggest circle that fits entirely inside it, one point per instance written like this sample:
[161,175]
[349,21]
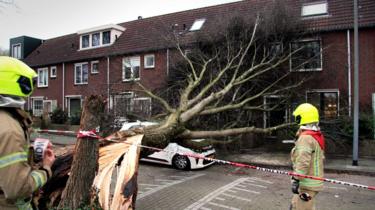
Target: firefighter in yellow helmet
[307,157]
[18,178]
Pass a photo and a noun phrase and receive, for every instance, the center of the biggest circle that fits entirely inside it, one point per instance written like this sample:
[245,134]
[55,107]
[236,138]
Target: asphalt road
[226,187]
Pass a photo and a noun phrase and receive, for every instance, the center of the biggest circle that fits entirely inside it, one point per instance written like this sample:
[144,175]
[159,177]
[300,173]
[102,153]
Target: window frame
[145,61]
[37,98]
[132,78]
[19,53]
[89,41]
[142,99]
[198,24]
[45,71]
[55,73]
[267,113]
[75,73]
[337,91]
[102,38]
[302,69]
[310,14]
[92,65]
[99,39]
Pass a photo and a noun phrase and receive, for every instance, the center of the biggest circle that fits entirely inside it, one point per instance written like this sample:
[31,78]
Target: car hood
[196,144]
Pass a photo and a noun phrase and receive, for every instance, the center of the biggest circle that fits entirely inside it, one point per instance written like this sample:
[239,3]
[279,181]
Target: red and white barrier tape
[93,134]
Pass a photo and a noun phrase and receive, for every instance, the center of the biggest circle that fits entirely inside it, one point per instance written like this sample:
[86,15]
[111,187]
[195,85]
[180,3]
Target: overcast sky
[46,19]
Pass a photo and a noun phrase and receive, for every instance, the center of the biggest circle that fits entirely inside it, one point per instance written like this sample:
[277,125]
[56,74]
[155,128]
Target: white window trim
[81,42]
[53,75]
[42,69]
[80,64]
[307,70]
[312,15]
[17,44]
[127,94]
[145,61]
[326,91]
[40,98]
[92,64]
[131,79]
[67,101]
[100,40]
[287,112]
[144,99]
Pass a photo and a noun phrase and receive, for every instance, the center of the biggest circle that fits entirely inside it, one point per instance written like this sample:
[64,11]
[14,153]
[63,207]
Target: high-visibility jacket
[307,158]
[18,180]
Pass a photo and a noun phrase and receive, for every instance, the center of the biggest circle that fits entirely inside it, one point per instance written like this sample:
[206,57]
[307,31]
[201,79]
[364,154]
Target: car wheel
[181,162]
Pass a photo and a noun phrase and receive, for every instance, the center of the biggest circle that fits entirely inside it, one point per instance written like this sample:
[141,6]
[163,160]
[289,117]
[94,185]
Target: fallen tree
[224,78]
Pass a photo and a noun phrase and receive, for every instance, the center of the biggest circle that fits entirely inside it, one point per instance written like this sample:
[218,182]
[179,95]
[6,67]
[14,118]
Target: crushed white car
[171,155]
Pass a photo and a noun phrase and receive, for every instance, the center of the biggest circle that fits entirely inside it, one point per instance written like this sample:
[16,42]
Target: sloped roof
[150,33]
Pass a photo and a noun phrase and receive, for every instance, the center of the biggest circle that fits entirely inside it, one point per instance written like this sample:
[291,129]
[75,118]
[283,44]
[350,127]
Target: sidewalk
[282,160]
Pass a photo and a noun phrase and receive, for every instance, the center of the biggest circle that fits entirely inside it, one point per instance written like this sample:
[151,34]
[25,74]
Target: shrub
[59,116]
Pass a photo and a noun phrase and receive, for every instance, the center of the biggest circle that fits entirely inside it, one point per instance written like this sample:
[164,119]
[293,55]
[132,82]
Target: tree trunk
[78,189]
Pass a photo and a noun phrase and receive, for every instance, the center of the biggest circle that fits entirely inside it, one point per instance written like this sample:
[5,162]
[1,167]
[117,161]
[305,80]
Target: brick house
[108,59]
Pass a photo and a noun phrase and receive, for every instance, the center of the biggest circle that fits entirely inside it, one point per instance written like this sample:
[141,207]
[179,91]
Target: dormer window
[314,9]
[95,39]
[106,37]
[99,36]
[85,41]
[197,25]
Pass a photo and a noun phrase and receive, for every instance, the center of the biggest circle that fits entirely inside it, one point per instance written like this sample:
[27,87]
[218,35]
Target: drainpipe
[108,102]
[167,61]
[63,87]
[349,74]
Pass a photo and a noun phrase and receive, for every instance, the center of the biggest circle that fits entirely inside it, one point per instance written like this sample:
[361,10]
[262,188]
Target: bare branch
[161,101]
[231,132]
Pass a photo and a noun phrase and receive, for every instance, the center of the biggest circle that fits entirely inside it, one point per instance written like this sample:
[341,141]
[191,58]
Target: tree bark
[78,189]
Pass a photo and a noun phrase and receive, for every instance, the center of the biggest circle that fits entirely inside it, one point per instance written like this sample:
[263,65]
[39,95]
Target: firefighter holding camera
[18,178]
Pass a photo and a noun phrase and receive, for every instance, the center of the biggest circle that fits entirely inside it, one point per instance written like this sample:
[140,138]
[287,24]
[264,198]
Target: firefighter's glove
[295,185]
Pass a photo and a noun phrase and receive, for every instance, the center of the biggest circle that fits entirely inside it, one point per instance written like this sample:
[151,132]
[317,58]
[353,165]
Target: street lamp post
[355,92]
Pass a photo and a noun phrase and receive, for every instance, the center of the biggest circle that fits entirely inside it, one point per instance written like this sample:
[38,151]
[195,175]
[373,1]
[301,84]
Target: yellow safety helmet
[16,78]
[306,113]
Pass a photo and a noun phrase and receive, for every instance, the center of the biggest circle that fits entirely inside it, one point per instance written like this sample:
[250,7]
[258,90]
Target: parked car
[170,154]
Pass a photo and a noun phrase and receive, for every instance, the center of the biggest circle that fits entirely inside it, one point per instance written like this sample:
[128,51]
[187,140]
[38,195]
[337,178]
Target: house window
[123,104]
[130,68]
[149,61]
[16,51]
[85,41]
[43,77]
[37,107]
[142,106]
[95,39]
[307,56]
[276,110]
[94,67]
[106,37]
[314,9]
[197,25]
[81,73]
[276,49]
[53,71]
[327,102]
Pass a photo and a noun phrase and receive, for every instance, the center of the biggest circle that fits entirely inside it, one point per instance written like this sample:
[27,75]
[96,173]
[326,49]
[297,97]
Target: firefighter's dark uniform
[18,180]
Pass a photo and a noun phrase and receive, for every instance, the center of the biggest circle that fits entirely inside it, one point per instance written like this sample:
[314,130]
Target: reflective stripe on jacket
[307,158]
[17,178]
